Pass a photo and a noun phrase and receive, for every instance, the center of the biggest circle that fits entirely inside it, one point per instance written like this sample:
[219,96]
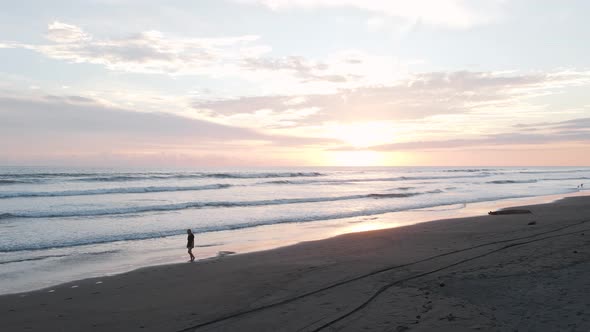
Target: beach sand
[525,272]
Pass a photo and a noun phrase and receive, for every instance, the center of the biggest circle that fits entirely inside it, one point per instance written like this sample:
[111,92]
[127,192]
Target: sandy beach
[525,272]
[328,165]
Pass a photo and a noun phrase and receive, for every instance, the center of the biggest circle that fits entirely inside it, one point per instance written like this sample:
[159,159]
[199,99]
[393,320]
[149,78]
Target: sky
[295,83]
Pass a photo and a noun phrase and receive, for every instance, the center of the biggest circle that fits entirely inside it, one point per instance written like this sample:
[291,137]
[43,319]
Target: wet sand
[525,272]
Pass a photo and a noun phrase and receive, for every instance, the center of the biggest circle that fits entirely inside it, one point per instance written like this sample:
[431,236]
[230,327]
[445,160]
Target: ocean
[62,224]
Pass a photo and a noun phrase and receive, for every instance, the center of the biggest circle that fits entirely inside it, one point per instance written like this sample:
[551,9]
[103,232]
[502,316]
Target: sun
[359,137]
[362,135]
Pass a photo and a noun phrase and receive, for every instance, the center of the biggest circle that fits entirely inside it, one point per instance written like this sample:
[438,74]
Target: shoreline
[166,251]
[429,259]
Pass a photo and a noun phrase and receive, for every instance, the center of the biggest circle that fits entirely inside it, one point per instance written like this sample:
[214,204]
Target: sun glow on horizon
[362,135]
[356,158]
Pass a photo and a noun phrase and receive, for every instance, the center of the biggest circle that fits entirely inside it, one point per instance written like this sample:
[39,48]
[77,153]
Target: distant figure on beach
[190,243]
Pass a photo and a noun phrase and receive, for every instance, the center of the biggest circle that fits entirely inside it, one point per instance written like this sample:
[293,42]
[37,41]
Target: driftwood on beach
[501,212]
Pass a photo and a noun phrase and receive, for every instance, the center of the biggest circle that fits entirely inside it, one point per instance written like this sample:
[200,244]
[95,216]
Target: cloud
[583,123]
[306,70]
[418,97]
[571,131]
[266,118]
[66,33]
[79,124]
[488,140]
[574,124]
[69,99]
[147,52]
[448,13]
[63,115]
[245,58]
[155,53]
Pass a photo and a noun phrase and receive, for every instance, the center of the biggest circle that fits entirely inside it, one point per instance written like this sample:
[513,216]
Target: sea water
[61,224]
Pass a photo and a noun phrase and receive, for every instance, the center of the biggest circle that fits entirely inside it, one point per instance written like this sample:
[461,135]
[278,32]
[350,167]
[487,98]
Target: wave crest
[198,205]
[511,181]
[105,191]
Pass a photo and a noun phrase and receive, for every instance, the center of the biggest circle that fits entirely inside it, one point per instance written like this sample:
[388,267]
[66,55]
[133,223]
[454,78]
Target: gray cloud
[73,120]
[490,140]
[573,125]
[583,123]
[145,52]
[71,99]
[152,52]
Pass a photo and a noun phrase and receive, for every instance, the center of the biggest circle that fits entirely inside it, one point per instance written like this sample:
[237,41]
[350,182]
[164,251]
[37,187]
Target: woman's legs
[190,252]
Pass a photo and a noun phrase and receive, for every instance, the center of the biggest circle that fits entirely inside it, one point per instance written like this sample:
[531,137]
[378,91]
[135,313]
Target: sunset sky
[294,82]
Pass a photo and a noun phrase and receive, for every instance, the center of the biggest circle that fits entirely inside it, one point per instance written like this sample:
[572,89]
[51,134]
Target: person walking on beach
[190,243]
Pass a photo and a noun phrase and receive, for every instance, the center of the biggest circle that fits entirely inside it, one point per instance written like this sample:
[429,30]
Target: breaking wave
[17,181]
[511,181]
[105,191]
[197,205]
[178,176]
[469,170]
[386,179]
[556,171]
